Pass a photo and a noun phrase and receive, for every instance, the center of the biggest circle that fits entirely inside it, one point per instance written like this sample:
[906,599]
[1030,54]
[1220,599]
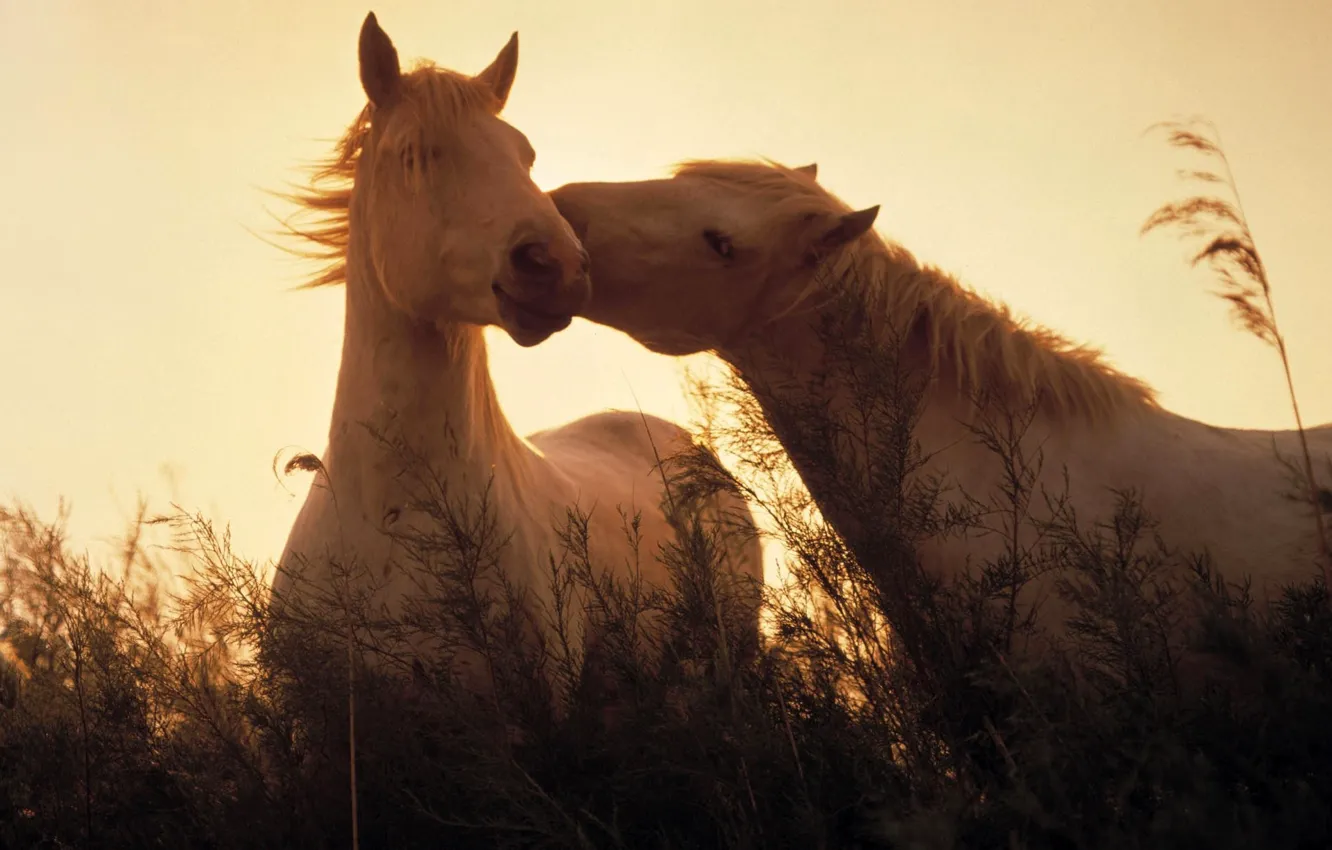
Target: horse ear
[848,228]
[811,170]
[499,75]
[379,63]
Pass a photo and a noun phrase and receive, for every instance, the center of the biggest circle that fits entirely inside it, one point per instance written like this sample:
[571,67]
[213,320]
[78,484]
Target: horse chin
[528,337]
[671,346]
[525,324]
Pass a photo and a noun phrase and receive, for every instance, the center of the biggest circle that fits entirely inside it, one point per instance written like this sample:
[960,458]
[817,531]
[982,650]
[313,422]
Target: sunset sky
[152,344]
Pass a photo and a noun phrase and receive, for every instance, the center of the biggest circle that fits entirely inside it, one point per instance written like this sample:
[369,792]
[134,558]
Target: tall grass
[1230,251]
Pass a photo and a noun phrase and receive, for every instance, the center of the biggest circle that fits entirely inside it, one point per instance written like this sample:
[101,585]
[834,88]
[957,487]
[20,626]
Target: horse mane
[433,98]
[975,341]
[981,345]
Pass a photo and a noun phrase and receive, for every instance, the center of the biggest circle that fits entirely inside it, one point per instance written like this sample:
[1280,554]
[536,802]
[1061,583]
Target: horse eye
[720,243]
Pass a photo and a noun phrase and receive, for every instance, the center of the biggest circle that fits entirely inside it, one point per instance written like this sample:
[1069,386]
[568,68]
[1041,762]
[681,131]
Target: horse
[750,259]
[427,213]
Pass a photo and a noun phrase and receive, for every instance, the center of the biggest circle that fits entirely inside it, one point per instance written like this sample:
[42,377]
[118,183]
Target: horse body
[750,260]
[1211,489]
[1220,491]
[617,459]
[437,230]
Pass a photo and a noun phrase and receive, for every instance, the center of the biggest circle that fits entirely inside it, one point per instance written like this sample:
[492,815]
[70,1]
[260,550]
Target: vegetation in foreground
[885,710]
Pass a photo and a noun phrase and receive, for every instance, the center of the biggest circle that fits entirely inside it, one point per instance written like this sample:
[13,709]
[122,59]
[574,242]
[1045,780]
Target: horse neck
[812,370]
[808,396]
[426,387]
[788,361]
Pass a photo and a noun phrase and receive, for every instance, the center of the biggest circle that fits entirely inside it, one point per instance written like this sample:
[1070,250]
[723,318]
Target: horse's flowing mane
[432,98]
[974,341]
[980,344]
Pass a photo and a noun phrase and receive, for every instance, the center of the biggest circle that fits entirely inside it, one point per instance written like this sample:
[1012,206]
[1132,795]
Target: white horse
[428,213]
[739,258]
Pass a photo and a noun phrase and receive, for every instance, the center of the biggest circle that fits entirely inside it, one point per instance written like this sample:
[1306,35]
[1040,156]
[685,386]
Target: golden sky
[151,344]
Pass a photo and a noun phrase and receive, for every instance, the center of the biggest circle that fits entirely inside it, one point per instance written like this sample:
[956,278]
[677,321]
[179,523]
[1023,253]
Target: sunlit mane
[980,344]
[433,98]
[976,342]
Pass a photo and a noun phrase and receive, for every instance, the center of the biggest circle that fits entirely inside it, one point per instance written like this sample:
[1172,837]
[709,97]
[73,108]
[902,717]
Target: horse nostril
[533,259]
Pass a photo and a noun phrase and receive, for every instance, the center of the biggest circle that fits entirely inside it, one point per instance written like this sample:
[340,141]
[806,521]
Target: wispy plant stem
[351,729]
[83,725]
[1233,255]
